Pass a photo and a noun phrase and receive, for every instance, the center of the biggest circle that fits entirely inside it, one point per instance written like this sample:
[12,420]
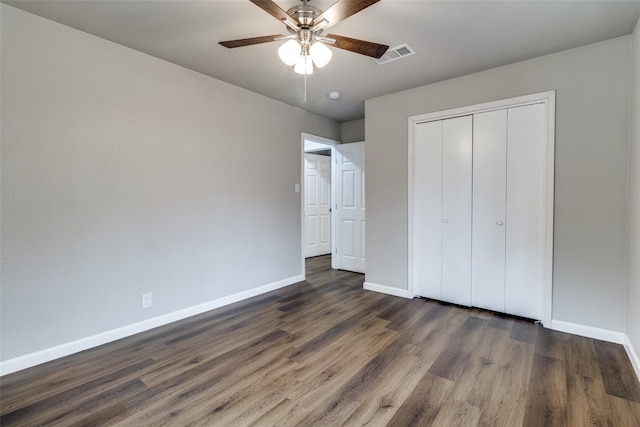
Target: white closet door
[525,240]
[456,209]
[427,210]
[489,199]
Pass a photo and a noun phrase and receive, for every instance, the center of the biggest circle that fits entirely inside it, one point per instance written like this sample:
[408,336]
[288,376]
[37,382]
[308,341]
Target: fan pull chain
[305,88]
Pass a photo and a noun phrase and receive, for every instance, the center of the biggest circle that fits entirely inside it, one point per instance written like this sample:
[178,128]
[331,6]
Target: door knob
[445,220]
[499,222]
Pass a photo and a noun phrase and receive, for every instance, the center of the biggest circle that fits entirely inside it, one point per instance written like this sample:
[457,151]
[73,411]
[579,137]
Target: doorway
[333,202]
[317,203]
[317,195]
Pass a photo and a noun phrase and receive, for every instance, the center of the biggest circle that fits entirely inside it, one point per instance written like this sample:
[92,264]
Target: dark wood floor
[327,352]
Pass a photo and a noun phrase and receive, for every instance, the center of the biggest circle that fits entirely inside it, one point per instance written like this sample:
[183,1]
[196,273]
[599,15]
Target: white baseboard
[633,356]
[48,354]
[588,331]
[396,292]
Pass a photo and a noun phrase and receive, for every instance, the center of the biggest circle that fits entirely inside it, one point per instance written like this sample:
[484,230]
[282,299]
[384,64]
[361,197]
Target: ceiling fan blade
[341,10]
[374,50]
[253,40]
[276,11]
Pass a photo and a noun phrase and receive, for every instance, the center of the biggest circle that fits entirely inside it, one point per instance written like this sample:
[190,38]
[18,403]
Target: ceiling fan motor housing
[304,14]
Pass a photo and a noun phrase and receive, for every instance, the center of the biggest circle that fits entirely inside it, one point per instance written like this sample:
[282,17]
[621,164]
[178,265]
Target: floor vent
[395,53]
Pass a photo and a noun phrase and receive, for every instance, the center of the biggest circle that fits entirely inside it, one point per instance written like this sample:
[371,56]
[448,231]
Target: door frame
[546,98]
[330,143]
[323,162]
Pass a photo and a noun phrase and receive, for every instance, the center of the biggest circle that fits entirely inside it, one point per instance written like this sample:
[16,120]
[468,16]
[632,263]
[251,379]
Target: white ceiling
[451,38]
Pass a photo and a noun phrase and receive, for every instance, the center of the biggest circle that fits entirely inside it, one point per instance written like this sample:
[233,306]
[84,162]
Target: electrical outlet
[146,300]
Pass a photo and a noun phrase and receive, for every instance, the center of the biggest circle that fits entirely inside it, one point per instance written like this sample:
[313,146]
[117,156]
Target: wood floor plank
[327,352]
[525,331]
[453,359]
[285,413]
[51,404]
[617,373]
[109,416]
[580,357]
[424,403]
[457,414]
[625,410]
[324,375]
[431,333]
[205,349]
[547,404]
[501,321]
[505,402]
[336,409]
[406,314]
[591,406]
[477,379]
[387,397]
[204,380]
[84,407]
[551,343]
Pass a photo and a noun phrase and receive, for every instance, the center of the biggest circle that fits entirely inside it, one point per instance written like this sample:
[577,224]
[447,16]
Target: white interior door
[456,209]
[317,215]
[350,207]
[489,200]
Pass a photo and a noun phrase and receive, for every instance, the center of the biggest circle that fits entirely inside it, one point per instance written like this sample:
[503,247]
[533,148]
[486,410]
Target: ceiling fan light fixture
[304,65]
[289,52]
[320,54]
[306,40]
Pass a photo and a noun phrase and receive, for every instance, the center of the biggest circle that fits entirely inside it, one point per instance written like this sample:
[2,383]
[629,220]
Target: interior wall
[352,131]
[592,117]
[124,174]
[633,260]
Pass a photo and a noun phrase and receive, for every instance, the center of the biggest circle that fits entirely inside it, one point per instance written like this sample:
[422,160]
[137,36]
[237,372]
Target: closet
[481,185]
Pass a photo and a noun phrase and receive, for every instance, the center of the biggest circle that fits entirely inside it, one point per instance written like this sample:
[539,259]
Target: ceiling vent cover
[395,53]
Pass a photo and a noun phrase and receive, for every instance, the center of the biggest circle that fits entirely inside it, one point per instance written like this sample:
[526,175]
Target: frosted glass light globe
[289,52]
[304,65]
[320,54]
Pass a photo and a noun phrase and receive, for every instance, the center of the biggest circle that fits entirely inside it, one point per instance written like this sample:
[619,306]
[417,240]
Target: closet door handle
[499,222]
[445,220]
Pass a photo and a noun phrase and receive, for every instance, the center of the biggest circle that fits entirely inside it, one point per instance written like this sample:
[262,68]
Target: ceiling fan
[307,24]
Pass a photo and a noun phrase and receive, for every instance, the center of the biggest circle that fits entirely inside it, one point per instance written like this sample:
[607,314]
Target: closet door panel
[525,239]
[456,209]
[489,198]
[427,226]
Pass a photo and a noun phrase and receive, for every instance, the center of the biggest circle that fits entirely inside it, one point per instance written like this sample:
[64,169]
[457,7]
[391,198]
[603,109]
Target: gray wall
[633,262]
[592,125]
[124,174]
[352,131]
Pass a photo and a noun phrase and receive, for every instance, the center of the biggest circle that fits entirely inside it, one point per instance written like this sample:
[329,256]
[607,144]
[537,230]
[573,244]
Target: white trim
[410,207]
[331,145]
[633,356]
[519,101]
[547,98]
[396,292]
[32,359]
[588,331]
[318,139]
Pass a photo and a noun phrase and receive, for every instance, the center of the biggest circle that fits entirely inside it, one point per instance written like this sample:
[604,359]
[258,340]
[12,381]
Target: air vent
[395,53]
